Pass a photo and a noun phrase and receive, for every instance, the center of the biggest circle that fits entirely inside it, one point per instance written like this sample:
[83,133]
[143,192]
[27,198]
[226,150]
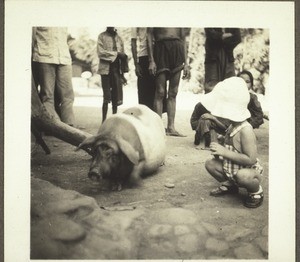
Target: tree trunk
[42,121]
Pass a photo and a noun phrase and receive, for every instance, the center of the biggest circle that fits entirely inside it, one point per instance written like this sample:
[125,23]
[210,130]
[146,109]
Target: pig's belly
[151,132]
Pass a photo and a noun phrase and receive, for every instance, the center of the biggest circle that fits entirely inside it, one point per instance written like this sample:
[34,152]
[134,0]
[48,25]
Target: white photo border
[278,17]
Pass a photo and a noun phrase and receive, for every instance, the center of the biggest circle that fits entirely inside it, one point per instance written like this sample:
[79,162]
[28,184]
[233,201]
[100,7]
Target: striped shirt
[231,168]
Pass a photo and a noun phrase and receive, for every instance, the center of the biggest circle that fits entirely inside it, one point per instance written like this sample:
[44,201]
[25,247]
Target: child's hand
[217,149]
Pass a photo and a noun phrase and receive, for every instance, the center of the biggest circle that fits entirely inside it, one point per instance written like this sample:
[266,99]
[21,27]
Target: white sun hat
[229,99]
[209,100]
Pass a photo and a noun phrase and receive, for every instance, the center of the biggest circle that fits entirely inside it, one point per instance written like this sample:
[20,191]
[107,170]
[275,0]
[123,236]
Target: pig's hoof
[116,187]
[119,187]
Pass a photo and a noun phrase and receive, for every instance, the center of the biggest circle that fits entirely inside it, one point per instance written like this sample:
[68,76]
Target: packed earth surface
[169,215]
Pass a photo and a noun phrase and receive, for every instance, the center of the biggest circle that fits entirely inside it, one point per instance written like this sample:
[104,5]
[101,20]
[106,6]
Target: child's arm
[248,154]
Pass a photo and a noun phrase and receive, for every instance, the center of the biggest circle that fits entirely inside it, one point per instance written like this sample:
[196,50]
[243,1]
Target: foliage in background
[251,54]
[83,49]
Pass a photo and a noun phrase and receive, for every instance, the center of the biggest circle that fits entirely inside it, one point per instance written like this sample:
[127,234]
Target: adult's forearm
[150,44]
[134,51]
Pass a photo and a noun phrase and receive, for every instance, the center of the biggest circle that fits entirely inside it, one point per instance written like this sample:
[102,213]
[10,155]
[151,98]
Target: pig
[128,146]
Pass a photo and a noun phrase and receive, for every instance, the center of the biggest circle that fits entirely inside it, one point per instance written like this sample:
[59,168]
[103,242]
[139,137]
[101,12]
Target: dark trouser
[112,85]
[146,84]
[197,113]
[217,70]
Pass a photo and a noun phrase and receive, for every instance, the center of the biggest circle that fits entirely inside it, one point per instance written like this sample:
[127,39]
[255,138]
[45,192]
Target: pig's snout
[94,175]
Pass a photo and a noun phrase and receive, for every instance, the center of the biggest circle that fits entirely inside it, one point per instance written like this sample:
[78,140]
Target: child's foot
[224,190]
[254,200]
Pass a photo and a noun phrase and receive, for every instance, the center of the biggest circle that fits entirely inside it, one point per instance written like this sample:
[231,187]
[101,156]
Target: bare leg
[160,83]
[171,101]
[104,110]
[215,168]
[249,179]
[114,109]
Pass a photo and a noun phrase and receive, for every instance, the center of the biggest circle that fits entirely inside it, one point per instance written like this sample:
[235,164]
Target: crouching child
[237,164]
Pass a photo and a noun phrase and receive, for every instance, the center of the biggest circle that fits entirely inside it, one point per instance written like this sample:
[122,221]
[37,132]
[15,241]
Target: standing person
[52,63]
[168,58]
[113,64]
[145,81]
[238,165]
[219,59]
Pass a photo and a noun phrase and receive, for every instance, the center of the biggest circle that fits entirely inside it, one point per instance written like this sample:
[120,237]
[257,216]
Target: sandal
[254,200]
[224,190]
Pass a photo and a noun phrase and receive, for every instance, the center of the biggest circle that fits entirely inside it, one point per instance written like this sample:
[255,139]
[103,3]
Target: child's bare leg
[249,179]
[215,168]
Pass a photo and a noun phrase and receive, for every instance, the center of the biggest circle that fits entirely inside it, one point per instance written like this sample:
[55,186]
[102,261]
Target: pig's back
[144,129]
[151,132]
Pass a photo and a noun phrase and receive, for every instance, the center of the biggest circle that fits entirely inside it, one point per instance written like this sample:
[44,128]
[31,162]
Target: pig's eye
[114,158]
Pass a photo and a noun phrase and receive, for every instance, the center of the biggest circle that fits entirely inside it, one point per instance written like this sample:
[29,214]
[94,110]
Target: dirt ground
[184,168]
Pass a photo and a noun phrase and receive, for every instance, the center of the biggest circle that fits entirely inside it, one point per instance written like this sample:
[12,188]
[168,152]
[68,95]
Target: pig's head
[106,158]
[112,159]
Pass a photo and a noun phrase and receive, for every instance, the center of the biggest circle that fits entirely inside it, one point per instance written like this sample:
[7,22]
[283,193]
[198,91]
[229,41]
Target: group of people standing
[228,109]
[159,55]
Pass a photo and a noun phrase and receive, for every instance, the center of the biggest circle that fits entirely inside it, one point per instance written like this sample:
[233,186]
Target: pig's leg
[136,173]
[116,185]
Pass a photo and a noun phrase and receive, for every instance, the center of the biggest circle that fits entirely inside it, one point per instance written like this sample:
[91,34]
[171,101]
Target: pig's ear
[128,150]
[87,142]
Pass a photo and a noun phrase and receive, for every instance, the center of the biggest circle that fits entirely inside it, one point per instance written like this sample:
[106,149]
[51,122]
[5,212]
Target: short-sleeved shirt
[50,45]
[140,33]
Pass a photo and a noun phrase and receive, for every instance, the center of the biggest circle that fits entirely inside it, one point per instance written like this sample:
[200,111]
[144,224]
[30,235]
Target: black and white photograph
[152,130]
